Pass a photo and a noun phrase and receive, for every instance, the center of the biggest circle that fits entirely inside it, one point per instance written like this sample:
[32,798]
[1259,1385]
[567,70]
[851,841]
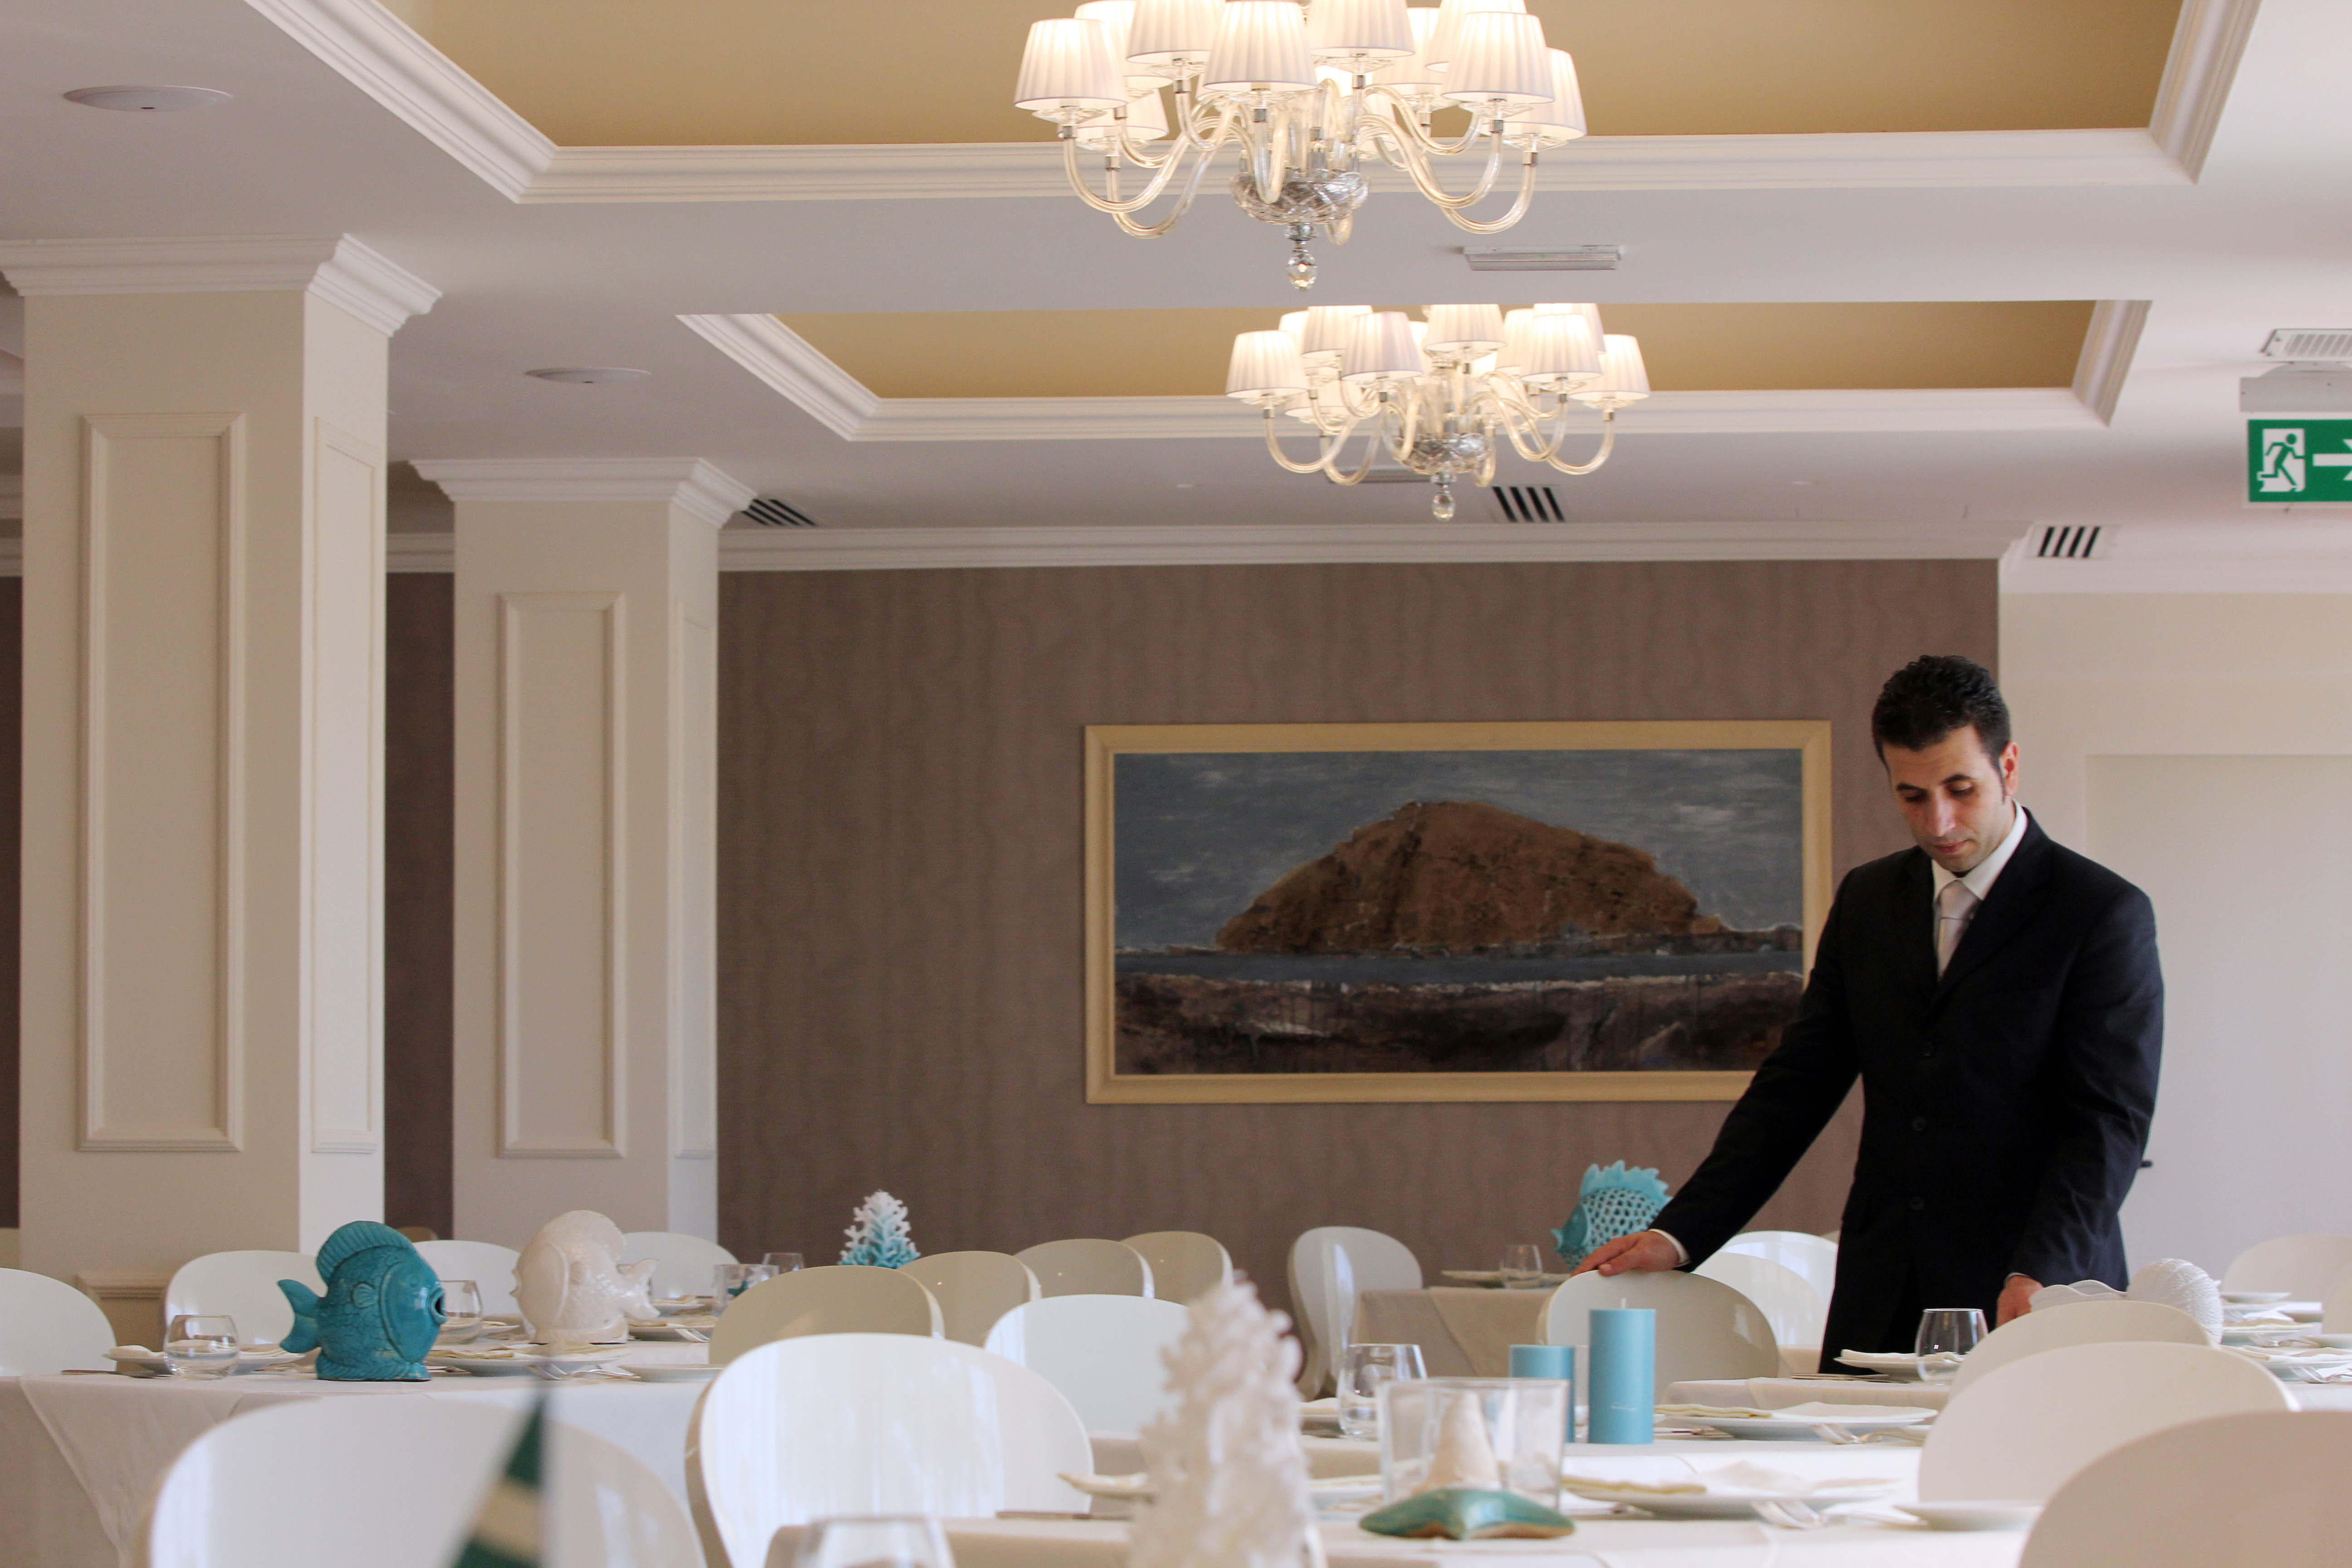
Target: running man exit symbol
[2299,462]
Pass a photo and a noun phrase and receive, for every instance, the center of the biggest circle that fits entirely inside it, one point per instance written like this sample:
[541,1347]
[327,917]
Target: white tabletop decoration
[2178,1283]
[571,1286]
[1227,1470]
[878,1235]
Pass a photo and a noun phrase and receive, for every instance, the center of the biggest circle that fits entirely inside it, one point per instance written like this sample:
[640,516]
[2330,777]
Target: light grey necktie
[1954,906]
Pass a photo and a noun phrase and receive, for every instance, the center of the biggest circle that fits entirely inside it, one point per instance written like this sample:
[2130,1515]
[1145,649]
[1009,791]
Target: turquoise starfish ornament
[1467,1513]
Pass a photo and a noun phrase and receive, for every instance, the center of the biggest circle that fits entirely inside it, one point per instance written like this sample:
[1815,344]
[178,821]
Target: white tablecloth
[1469,1332]
[1775,1393]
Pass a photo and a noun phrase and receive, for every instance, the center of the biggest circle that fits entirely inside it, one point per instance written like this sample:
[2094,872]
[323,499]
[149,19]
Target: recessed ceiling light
[584,373]
[147,98]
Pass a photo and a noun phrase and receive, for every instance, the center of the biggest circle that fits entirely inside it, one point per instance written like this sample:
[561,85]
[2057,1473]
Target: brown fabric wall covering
[900,855]
[419,800]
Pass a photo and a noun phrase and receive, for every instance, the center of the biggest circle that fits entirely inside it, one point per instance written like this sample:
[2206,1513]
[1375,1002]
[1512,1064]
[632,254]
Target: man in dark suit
[1999,996]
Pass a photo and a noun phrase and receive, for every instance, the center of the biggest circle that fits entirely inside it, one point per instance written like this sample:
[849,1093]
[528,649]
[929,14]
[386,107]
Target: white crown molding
[2106,358]
[694,485]
[793,368]
[336,268]
[420,552]
[2206,46]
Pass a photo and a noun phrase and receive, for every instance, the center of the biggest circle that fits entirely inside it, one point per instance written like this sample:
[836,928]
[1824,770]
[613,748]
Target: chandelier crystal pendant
[1306,94]
[1438,395]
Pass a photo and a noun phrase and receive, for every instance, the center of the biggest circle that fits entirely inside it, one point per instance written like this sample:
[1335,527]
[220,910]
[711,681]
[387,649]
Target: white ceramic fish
[572,1288]
[2178,1283]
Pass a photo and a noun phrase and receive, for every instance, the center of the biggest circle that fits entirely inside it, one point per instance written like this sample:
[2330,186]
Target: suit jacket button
[1918,1124]
[1918,1204]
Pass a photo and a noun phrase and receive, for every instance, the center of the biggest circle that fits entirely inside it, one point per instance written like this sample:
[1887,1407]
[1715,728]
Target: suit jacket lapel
[2015,899]
[1914,924]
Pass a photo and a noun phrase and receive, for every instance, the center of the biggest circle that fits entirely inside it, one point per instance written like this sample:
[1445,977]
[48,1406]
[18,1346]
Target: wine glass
[729,1280]
[201,1346]
[1945,1334]
[1362,1370]
[892,1542]
[461,1311]
[782,1262]
[1522,1267]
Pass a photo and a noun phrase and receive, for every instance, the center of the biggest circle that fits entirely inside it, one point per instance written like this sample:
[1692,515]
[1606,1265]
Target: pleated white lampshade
[1464,331]
[1172,35]
[1147,121]
[1325,340]
[1265,364]
[1499,58]
[1560,352]
[1412,75]
[1513,354]
[1440,50]
[1554,123]
[1295,324]
[1380,348]
[1624,377]
[1591,312]
[1261,47]
[1360,35]
[1116,17]
[1066,73]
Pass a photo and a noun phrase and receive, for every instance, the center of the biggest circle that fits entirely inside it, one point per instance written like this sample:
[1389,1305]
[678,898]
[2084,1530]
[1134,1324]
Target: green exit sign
[2299,462]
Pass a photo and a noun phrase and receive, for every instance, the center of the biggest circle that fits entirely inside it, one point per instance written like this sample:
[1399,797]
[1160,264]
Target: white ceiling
[2263,240]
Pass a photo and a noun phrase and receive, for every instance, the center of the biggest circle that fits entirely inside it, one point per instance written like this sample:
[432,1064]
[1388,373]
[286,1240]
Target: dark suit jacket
[2004,1107]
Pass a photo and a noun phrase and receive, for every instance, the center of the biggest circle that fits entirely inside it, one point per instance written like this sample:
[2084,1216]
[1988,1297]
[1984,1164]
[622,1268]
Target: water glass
[201,1347]
[1522,1267]
[1362,1370]
[782,1262]
[1474,1432]
[729,1280]
[907,1541]
[461,1311]
[1945,1334]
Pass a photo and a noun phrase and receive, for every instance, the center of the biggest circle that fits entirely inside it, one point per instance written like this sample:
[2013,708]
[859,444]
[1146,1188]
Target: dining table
[1468,1330]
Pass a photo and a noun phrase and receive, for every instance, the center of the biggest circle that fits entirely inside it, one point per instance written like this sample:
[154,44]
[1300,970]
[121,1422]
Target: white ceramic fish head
[637,1289]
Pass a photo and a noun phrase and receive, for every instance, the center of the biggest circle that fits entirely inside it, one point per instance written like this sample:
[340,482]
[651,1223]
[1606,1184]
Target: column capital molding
[694,485]
[337,267]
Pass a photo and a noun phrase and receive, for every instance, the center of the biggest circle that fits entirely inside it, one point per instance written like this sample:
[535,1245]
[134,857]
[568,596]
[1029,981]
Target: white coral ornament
[570,1285]
[877,1234]
[2178,1283]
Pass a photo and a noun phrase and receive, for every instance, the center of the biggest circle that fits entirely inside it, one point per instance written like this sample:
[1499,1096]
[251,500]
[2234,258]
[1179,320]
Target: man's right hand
[1645,1250]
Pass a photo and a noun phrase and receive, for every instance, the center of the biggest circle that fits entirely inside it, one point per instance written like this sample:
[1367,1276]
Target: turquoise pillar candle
[1622,1370]
[1557,1361]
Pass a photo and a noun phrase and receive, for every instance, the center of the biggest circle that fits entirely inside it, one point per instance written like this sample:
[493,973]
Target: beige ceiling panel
[1688,348]
[722,72]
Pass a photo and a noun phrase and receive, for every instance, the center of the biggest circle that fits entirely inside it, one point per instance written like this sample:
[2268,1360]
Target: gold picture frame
[1105,744]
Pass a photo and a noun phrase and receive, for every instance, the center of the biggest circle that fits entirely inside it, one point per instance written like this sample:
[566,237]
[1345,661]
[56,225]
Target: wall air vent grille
[2330,343]
[1528,503]
[2073,543]
[770,512]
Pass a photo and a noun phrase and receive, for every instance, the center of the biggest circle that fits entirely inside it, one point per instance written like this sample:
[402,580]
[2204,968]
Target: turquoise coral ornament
[381,1310]
[1611,1203]
[878,1236]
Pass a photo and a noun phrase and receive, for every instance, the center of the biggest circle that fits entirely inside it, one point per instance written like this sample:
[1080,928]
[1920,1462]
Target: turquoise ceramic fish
[381,1311]
[1467,1513]
[1611,1203]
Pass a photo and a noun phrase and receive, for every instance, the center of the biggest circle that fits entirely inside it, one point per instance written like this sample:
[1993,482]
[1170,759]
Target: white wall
[2202,744]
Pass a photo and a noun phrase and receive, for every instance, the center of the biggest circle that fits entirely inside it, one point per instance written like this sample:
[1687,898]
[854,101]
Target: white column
[204,557]
[587,612]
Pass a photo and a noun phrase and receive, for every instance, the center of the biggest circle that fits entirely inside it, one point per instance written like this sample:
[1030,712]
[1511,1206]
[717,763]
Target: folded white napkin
[1743,1476]
[1812,1412]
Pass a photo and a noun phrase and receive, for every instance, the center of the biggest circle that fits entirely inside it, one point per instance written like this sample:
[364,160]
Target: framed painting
[1335,913]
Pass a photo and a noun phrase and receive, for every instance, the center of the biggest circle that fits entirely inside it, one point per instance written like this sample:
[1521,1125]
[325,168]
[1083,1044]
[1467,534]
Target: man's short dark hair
[1929,698]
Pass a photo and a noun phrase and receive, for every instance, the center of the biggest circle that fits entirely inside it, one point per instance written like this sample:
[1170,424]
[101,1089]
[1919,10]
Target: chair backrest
[1101,1352]
[974,1289]
[682,1263]
[2265,1488]
[2301,1265]
[838,1299]
[1813,1257]
[486,1263]
[394,1483]
[1184,1263]
[2337,1306]
[1705,1329]
[46,1326]
[2078,1323]
[244,1286]
[2021,1431]
[1329,1267]
[1790,1303]
[874,1424]
[1088,1266]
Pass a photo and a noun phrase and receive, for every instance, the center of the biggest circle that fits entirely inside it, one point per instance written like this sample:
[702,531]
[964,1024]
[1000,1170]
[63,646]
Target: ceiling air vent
[2070,543]
[2329,344]
[1557,259]
[770,512]
[1528,503]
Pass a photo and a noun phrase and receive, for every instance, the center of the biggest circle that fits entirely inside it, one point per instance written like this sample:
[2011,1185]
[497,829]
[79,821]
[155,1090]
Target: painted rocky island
[1457,936]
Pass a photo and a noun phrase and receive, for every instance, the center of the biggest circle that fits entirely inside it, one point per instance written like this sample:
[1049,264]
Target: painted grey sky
[1202,834]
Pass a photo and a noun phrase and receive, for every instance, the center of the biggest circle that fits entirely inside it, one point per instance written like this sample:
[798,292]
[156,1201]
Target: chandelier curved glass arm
[1608,444]
[1331,443]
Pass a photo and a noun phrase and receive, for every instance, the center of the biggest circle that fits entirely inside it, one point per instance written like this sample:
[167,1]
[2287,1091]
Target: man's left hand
[2016,1298]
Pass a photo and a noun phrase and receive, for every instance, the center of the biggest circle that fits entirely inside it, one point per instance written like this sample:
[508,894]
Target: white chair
[1813,1257]
[395,1483]
[2021,1431]
[1330,1266]
[858,1425]
[46,1326]
[1184,1263]
[486,1263]
[2078,1323]
[244,1286]
[2265,1488]
[838,1299]
[2336,1316]
[682,1263]
[1796,1310]
[1088,1266]
[1705,1328]
[2301,1265]
[1101,1352]
[974,1289]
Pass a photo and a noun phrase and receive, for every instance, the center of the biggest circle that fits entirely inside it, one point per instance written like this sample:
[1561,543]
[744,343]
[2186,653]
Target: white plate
[690,1332]
[1972,1515]
[686,1373]
[154,1365]
[1491,1275]
[1782,1429]
[1896,1365]
[1722,1504]
[2255,1298]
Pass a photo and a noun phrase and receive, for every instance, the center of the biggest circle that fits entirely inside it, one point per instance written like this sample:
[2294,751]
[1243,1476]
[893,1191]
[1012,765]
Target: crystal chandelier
[1304,93]
[1438,395]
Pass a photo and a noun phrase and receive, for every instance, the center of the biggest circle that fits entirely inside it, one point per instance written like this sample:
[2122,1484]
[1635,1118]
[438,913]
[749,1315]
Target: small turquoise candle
[1621,1363]
[1557,1361]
